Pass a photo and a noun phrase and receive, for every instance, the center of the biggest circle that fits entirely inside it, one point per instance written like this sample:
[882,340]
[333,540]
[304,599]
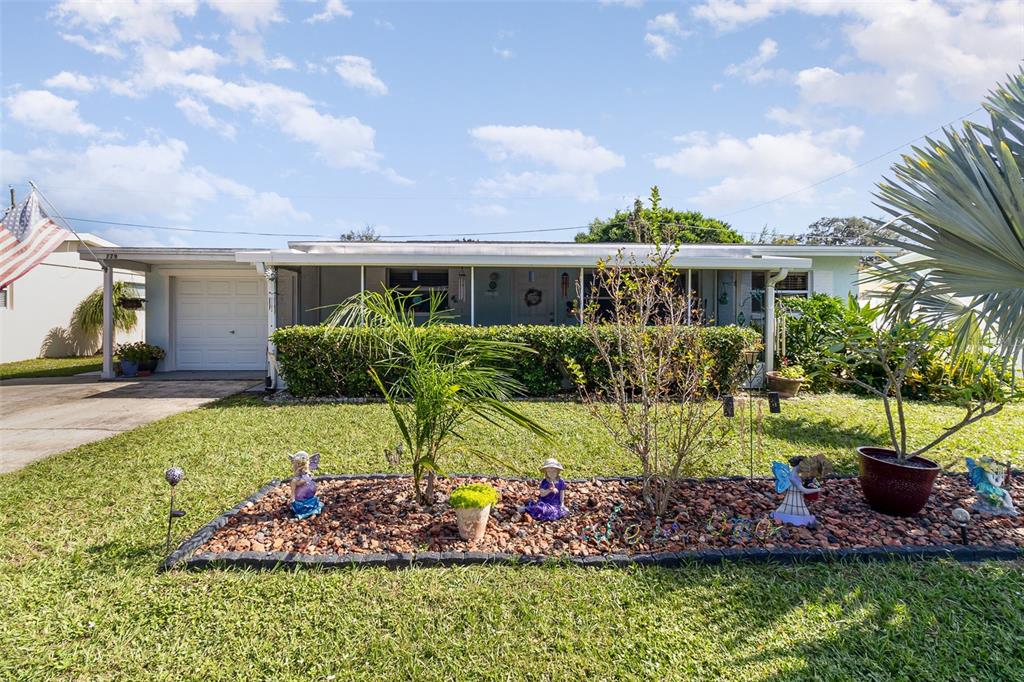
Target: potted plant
[139,356]
[787,380]
[880,349]
[472,504]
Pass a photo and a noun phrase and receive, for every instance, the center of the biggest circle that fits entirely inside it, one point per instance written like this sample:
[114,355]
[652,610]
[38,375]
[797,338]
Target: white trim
[472,296]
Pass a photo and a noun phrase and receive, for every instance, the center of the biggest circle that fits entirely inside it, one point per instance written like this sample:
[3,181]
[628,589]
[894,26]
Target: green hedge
[327,361]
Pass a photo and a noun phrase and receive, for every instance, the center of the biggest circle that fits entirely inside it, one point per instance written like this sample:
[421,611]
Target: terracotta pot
[786,388]
[472,522]
[893,488]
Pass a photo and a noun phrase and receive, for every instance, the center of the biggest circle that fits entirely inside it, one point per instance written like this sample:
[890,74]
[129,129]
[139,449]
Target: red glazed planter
[895,489]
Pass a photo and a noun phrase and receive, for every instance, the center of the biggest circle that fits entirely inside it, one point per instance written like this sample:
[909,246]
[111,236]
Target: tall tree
[848,231]
[661,224]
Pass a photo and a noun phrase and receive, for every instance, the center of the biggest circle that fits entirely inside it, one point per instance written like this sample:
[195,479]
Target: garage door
[220,323]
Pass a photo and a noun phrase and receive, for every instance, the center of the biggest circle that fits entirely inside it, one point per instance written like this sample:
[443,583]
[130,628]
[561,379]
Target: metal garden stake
[173,476]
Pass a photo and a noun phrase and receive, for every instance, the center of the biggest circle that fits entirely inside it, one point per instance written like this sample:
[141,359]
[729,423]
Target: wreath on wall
[533,297]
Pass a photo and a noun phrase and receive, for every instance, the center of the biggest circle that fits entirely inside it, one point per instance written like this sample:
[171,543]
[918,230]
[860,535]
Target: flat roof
[488,254]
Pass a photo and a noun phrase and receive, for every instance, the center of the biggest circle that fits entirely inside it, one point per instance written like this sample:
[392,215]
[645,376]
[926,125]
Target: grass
[49,367]
[81,534]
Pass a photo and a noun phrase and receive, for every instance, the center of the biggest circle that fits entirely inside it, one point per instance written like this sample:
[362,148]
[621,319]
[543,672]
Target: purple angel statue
[793,509]
[304,503]
[549,506]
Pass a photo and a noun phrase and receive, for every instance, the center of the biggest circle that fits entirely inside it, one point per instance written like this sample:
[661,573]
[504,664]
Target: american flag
[27,236]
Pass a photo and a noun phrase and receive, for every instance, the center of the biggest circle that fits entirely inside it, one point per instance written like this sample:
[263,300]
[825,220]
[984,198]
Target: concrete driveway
[40,417]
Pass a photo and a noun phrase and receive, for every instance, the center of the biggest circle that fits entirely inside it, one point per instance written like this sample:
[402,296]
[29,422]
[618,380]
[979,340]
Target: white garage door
[220,323]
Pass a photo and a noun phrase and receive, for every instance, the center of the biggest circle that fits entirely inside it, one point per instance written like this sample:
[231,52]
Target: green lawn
[81,535]
[49,367]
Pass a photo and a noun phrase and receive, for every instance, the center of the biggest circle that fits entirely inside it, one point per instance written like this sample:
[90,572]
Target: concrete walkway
[40,417]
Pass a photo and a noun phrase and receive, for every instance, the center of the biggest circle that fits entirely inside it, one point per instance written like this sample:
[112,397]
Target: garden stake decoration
[549,506]
[961,517]
[988,477]
[304,502]
[173,476]
[789,480]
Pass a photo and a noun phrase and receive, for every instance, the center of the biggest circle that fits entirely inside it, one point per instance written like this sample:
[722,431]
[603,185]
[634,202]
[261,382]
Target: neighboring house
[212,309]
[35,310]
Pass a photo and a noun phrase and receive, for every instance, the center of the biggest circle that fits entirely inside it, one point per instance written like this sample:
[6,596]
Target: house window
[793,284]
[421,283]
[6,299]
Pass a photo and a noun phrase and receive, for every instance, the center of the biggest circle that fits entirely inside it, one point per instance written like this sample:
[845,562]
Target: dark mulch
[379,515]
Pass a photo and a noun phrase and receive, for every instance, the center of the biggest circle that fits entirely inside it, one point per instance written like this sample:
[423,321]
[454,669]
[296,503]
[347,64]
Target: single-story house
[35,309]
[212,309]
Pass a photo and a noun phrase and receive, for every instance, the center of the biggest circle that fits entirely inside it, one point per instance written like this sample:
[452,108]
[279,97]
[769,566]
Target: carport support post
[108,321]
[769,318]
[271,274]
[472,296]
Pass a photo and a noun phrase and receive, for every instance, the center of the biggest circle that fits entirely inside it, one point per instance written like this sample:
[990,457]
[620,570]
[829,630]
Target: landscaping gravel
[365,515]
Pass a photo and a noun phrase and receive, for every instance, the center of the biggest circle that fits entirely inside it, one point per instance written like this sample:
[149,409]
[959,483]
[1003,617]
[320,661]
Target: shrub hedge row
[329,361]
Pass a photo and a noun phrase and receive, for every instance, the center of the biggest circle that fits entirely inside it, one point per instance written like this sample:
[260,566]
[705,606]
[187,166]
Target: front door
[534,296]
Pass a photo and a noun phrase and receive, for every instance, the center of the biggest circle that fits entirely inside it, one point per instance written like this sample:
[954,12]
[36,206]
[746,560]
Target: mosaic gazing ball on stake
[550,505]
[173,476]
[304,502]
[790,480]
[988,477]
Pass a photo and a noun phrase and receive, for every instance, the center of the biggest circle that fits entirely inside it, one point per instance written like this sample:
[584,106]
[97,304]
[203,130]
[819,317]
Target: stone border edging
[184,556]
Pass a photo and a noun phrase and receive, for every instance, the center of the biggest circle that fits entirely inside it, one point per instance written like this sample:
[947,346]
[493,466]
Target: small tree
[654,399]
[433,388]
[886,341]
[88,314]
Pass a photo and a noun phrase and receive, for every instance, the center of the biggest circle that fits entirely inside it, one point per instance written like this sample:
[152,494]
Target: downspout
[270,272]
[769,317]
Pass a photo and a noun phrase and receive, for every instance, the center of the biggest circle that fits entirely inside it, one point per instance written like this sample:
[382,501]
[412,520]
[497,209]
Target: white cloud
[70,81]
[357,72]
[760,167]
[94,46]
[661,30]
[43,110]
[753,70]
[660,46]
[248,15]
[503,52]
[249,47]
[622,3]
[576,159]
[131,21]
[384,23]
[150,179]
[666,23]
[914,53]
[199,114]
[332,9]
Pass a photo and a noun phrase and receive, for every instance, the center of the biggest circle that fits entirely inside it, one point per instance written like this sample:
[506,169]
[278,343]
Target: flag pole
[67,225]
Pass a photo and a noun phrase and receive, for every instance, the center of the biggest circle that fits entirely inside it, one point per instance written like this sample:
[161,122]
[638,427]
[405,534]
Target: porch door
[534,296]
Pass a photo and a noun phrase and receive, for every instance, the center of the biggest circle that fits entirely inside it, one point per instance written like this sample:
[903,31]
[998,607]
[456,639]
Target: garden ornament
[304,503]
[173,476]
[789,480]
[549,506]
[962,517]
[988,476]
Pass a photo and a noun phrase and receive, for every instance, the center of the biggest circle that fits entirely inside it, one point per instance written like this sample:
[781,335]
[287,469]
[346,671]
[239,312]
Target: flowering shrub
[139,351]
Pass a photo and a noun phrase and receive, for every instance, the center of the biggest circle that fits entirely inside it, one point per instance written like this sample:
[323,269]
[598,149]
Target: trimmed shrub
[324,361]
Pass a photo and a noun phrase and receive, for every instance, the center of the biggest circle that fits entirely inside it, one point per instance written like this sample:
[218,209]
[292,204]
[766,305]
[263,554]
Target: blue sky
[428,119]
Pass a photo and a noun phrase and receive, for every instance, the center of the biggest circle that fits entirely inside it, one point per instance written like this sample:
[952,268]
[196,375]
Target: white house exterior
[212,309]
[35,310]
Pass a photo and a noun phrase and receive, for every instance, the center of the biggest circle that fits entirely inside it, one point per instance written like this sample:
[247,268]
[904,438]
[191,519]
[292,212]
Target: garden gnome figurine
[304,503]
[549,506]
[788,479]
[988,476]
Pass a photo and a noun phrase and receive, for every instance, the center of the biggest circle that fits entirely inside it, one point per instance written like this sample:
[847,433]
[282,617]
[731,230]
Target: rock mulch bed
[370,517]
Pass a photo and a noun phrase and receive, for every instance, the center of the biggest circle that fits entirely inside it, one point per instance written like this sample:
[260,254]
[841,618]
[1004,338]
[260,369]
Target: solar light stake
[961,516]
[173,476]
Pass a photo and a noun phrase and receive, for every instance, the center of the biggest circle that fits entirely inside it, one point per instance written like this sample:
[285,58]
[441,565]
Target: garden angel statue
[988,477]
[304,502]
[789,480]
[549,506]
